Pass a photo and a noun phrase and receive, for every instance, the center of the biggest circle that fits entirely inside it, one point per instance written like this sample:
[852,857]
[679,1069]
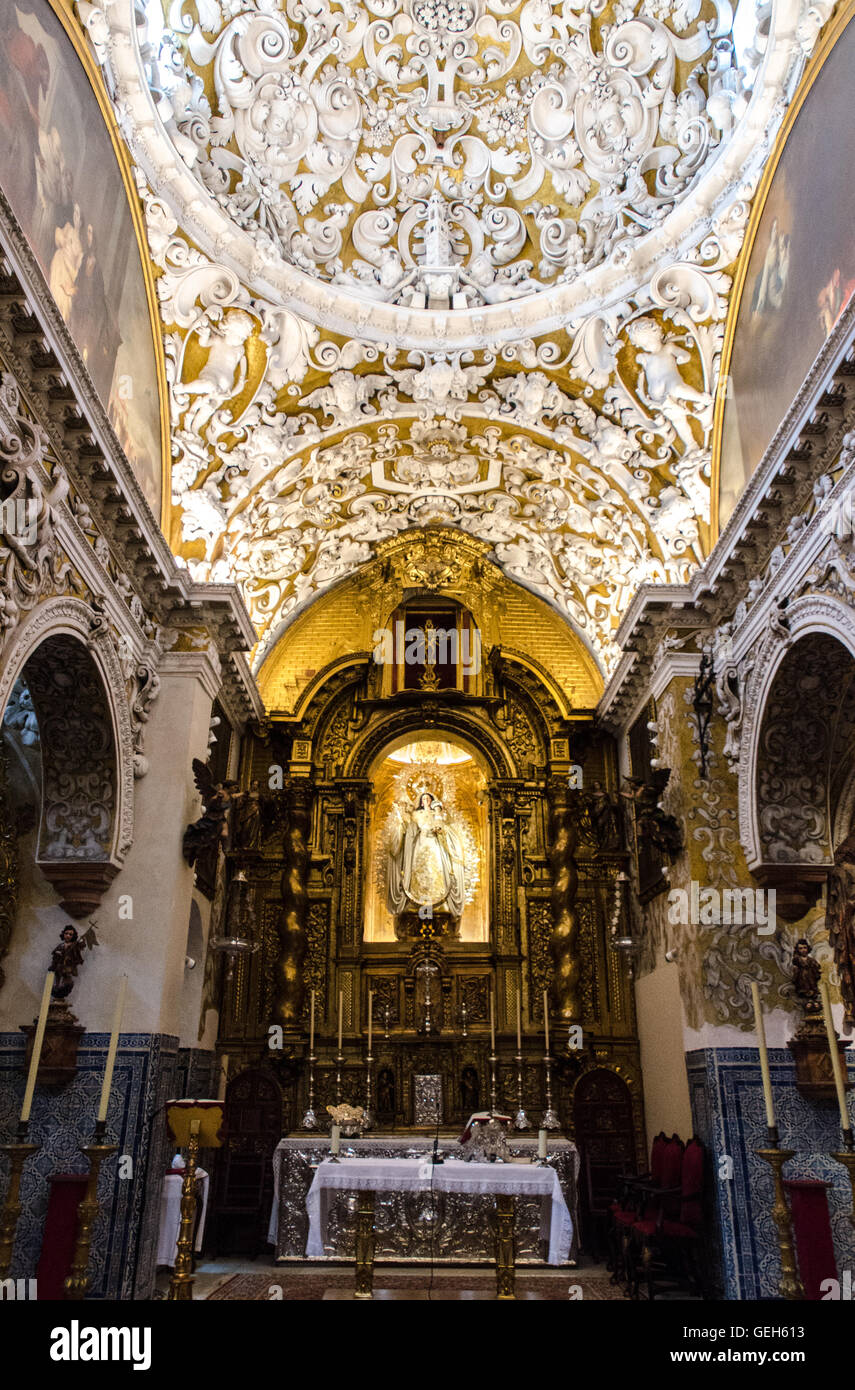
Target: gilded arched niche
[438,564]
[450,770]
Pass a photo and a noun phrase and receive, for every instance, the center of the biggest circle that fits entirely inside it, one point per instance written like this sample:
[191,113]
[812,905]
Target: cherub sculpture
[346,399]
[660,382]
[655,826]
[224,374]
[213,826]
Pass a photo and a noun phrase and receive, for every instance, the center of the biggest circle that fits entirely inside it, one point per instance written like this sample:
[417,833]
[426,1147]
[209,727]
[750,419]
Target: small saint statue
[65,960]
[807,973]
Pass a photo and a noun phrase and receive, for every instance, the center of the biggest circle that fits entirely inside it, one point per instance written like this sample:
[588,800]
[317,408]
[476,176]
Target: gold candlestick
[18,1151]
[78,1280]
[181,1283]
[789,1286]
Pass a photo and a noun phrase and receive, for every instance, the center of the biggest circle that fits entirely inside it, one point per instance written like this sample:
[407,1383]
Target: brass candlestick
[339,1063]
[790,1286]
[77,1281]
[18,1151]
[550,1119]
[846,1156]
[493,1060]
[181,1283]
[521,1120]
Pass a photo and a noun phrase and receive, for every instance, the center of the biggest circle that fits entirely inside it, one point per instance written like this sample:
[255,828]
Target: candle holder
[464,1016]
[550,1119]
[846,1156]
[310,1119]
[493,1060]
[789,1286]
[181,1283]
[386,1023]
[368,1113]
[339,1063]
[521,1120]
[77,1281]
[17,1152]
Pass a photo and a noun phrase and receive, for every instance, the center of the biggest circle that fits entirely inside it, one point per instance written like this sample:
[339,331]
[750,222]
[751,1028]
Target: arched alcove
[796,771]
[66,698]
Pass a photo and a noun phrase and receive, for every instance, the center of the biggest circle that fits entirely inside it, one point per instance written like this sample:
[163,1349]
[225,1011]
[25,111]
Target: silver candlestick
[368,1114]
[493,1060]
[463,1017]
[339,1063]
[386,1023]
[550,1119]
[310,1119]
[521,1120]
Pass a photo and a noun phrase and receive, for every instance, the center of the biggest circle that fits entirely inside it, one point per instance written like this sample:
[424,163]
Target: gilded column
[564,941]
[293,936]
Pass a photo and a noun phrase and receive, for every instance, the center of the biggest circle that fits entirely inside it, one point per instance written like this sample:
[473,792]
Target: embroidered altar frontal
[451,1227]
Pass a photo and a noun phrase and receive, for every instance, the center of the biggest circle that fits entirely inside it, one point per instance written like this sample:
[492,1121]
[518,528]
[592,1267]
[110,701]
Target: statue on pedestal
[425,869]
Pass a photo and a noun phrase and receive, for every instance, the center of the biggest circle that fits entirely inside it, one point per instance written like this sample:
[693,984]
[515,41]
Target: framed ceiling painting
[797,270]
[68,185]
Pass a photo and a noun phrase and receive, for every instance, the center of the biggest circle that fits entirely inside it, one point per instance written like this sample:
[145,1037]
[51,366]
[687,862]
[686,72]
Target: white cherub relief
[224,374]
[660,383]
[530,395]
[346,399]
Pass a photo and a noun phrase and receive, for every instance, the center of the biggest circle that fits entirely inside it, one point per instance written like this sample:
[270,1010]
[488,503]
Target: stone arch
[66,657]
[441,720]
[797,750]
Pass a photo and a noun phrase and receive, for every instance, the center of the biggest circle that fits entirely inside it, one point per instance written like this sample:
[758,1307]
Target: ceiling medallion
[439,155]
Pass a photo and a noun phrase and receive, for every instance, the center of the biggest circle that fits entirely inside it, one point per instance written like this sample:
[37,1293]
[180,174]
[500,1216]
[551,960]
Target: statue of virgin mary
[425,865]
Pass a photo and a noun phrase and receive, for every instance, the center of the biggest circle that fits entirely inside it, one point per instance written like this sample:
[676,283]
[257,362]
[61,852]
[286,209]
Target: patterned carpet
[312,1284]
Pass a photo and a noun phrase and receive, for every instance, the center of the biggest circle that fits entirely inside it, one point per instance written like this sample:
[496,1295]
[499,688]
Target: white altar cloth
[170,1214]
[454,1175]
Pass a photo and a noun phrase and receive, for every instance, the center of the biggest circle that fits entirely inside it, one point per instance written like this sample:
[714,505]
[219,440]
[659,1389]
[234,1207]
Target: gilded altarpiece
[508,750]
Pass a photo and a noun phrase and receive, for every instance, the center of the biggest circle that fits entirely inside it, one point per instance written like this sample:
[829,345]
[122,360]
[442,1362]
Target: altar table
[451,1227]
[503,1181]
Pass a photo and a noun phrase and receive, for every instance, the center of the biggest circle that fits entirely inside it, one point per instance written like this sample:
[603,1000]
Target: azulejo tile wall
[147,1075]
[729,1115]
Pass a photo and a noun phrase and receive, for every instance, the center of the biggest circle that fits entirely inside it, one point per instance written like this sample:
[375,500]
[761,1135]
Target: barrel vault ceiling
[446,261]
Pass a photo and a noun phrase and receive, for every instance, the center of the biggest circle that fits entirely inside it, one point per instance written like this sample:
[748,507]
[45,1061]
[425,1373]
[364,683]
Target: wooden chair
[666,1244]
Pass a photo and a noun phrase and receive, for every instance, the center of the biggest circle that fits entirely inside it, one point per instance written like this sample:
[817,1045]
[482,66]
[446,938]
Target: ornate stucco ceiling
[453,261]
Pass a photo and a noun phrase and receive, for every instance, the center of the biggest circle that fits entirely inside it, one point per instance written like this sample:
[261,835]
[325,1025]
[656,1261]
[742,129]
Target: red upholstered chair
[667,1243]
[632,1203]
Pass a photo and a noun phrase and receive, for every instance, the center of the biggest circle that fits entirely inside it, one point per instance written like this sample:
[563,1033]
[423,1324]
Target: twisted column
[564,941]
[293,938]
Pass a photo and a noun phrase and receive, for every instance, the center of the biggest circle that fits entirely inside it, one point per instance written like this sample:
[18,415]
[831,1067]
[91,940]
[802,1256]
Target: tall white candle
[111,1051]
[38,1040]
[312,1023]
[764,1057]
[340,1008]
[492,1021]
[519,1021]
[836,1065]
[335,1136]
[541,1143]
[370,1012]
[546,1018]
